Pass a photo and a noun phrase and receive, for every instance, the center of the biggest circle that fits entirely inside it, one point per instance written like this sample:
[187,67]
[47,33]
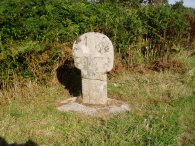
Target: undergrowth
[162,112]
[37,35]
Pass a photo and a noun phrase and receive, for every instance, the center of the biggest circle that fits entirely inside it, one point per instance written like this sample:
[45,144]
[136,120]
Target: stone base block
[113,107]
[94,91]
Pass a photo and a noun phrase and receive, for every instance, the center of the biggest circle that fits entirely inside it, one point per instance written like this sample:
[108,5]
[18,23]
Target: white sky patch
[187,3]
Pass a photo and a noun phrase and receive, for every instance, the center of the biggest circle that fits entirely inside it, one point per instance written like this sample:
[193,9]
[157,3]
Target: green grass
[163,103]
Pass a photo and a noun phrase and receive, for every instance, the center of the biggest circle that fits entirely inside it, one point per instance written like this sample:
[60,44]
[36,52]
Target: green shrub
[141,34]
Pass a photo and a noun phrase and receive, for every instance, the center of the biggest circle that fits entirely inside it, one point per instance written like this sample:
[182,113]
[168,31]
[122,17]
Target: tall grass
[163,106]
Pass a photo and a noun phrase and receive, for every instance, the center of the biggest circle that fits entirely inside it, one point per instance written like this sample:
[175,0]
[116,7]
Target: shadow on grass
[3,142]
[70,77]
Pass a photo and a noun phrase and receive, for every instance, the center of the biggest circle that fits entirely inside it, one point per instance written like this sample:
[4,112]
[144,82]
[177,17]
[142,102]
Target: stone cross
[93,54]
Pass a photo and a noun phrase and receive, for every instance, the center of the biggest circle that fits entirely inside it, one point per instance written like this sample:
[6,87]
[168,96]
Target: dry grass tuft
[163,102]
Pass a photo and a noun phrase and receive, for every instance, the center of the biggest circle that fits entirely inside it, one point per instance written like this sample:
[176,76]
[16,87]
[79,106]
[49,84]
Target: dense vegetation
[37,35]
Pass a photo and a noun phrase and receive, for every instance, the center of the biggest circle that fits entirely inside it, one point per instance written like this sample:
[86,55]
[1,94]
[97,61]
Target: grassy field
[163,112]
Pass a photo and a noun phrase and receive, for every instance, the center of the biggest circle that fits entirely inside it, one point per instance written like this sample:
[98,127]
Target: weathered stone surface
[113,107]
[94,91]
[93,54]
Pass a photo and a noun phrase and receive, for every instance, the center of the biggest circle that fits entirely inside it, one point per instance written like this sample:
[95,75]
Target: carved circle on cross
[93,53]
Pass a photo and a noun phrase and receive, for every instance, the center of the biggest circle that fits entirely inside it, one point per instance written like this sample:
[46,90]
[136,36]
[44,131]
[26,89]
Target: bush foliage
[31,29]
